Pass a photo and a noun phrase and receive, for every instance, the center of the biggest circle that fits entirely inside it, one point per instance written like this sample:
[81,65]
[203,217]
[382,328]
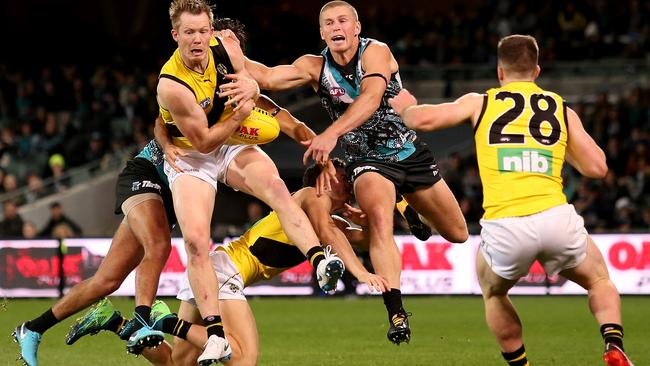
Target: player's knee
[458,234]
[380,219]
[275,191]
[183,358]
[157,250]
[104,286]
[197,245]
[247,358]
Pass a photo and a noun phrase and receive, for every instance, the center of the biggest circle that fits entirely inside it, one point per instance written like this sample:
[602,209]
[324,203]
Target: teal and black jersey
[153,152]
[383,136]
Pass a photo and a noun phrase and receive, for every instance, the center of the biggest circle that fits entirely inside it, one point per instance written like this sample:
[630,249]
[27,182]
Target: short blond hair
[518,53]
[195,7]
[336,3]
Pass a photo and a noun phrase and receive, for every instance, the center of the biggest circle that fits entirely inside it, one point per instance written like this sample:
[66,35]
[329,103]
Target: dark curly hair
[234,25]
[310,175]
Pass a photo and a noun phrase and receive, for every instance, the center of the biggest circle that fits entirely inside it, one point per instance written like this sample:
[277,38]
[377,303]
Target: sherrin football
[259,128]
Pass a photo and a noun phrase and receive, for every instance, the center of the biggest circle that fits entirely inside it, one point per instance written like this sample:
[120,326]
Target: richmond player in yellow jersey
[523,136]
[200,122]
[261,253]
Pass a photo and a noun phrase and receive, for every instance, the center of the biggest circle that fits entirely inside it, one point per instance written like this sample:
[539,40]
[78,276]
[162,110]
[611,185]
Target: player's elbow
[597,170]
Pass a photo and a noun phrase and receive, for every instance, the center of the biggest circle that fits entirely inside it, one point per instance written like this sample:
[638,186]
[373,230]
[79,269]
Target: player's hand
[240,90]
[243,110]
[401,101]
[227,33]
[375,283]
[171,153]
[319,147]
[325,178]
[355,215]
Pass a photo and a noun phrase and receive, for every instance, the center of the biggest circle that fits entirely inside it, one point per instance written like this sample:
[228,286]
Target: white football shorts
[555,237]
[229,281]
[211,167]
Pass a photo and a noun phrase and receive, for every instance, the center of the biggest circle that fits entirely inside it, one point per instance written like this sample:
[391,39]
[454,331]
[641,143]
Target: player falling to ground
[523,136]
[261,253]
[355,77]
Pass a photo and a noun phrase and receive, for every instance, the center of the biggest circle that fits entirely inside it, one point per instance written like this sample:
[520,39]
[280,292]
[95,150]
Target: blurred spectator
[62,231]
[58,218]
[11,226]
[36,188]
[29,230]
[57,166]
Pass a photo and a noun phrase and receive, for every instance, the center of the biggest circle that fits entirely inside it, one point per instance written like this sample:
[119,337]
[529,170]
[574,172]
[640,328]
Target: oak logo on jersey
[525,160]
[205,103]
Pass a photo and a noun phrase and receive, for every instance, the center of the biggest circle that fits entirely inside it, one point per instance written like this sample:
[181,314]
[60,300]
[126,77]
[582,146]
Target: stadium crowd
[53,118]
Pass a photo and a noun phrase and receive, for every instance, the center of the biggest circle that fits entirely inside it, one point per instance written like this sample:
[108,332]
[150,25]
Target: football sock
[44,322]
[116,324]
[612,333]
[144,311]
[516,358]
[176,326]
[214,325]
[393,302]
[315,255]
[401,205]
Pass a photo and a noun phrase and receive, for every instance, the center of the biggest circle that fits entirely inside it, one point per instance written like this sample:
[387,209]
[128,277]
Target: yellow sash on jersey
[521,138]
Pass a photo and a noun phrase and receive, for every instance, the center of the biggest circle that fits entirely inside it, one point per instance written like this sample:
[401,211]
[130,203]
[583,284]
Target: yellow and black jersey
[204,86]
[263,251]
[521,137]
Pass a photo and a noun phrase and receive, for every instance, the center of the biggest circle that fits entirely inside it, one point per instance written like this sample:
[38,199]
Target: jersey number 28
[497,136]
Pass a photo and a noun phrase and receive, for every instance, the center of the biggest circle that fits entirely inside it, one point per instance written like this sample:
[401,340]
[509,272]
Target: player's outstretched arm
[318,211]
[289,125]
[582,152]
[305,70]
[192,121]
[430,117]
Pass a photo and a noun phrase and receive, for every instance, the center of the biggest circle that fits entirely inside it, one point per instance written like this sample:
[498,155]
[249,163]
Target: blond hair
[518,53]
[334,4]
[195,7]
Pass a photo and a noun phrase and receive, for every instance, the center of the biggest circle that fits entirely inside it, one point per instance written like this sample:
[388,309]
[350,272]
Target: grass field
[336,331]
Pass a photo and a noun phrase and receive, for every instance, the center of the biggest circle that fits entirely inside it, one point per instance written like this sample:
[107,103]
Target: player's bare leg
[149,224]
[253,172]
[439,207]
[604,302]
[500,313]
[241,331]
[385,256]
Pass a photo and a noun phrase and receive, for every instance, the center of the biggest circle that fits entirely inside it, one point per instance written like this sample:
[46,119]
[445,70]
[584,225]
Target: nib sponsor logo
[525,160]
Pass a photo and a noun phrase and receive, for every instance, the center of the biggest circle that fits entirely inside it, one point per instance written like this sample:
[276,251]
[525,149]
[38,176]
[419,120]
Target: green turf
[335,331]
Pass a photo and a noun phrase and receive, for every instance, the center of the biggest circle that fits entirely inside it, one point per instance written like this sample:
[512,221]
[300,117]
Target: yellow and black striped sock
[516,358]
[612,333]
[315,255]
[176,327]
[214,326]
